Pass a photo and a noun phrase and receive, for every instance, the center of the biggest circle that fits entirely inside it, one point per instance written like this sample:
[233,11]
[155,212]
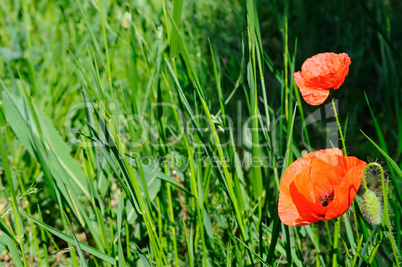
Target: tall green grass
[123,139]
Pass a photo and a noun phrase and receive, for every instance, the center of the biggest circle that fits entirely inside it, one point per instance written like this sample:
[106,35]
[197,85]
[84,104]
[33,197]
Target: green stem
[338,222]
[336,243]
[13,195]
[316,238]
[364,177]
[31,71]
[385,199]
[339,126]
[355,220]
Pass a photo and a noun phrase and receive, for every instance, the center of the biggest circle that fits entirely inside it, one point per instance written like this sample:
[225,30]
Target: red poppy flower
[321,73]
[319,186]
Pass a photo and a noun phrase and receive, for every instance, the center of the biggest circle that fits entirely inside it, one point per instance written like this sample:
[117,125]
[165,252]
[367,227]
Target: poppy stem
[336,242]
[386,214]
[364,176]
[355,220]
[339,125]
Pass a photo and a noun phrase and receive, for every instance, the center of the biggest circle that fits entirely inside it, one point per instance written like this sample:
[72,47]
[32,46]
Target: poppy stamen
[326,198]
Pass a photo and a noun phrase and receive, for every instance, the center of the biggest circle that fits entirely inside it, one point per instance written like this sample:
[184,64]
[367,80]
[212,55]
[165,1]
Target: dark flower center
[326,198]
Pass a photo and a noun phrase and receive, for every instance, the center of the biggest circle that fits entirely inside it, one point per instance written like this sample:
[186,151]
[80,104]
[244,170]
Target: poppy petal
[327,155]
[321,73]
[291,187]
[325,176]
[326,70]
[287,210]
[343,69]
[345,193]
[319,186]
[312,96]
[306,188]
[292,214]
[307,215]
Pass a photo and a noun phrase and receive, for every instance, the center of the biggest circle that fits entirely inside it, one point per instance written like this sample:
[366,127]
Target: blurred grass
[88,70]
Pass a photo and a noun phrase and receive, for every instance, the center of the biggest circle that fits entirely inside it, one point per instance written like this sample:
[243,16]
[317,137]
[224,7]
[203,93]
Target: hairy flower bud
[372,208]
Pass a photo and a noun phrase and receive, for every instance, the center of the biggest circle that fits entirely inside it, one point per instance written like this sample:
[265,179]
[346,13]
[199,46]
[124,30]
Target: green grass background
[63,204]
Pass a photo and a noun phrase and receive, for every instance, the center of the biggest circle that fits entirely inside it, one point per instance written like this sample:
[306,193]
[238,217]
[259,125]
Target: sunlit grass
[127,131]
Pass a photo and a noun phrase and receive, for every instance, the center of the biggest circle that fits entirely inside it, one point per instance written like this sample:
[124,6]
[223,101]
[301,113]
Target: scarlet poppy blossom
[319,74]
[319,186]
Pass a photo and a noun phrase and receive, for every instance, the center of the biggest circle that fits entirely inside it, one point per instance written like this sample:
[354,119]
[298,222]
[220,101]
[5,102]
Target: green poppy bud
[372,208]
